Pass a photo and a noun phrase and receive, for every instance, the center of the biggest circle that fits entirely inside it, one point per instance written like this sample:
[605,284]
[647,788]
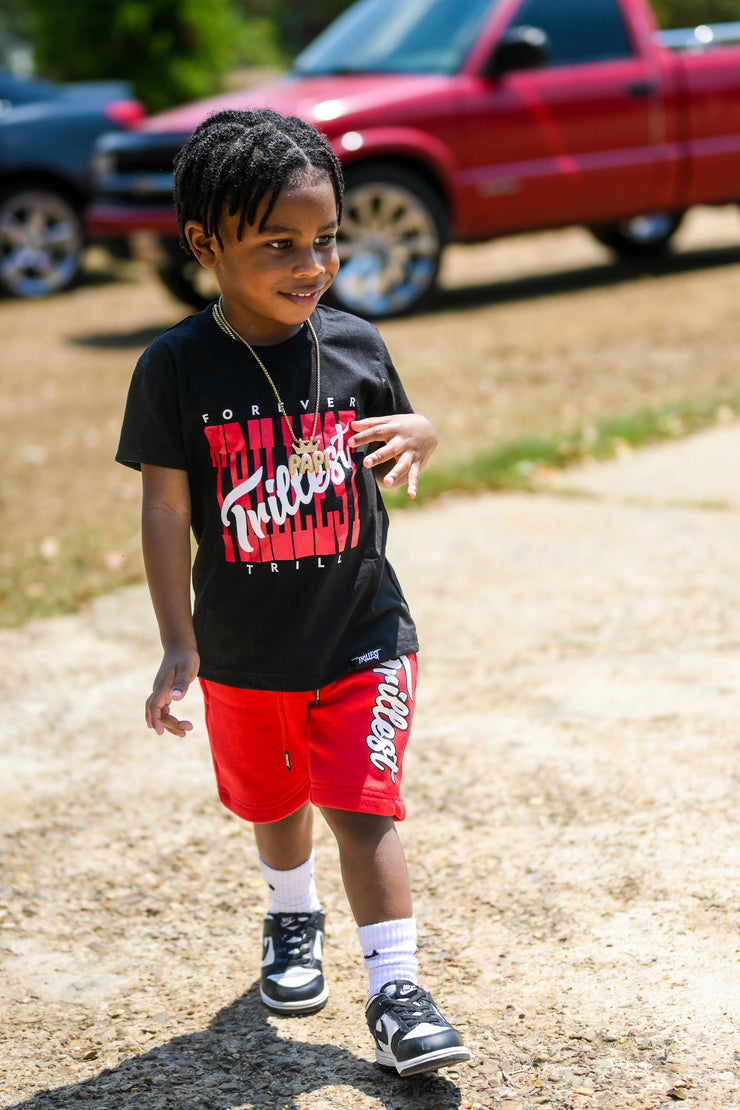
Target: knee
[358,828]
[287,842]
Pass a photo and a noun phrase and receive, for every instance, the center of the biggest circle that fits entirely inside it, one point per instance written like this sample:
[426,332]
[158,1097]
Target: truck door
[577,140]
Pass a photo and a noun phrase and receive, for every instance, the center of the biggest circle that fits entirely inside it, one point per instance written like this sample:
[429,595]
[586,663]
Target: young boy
[260,423]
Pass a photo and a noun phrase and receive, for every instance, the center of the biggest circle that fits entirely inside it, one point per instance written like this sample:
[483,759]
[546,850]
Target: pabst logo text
[390,715]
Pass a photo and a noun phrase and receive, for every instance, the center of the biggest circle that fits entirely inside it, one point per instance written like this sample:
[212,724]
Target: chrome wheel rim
[389,249]
[40,243]
[650,227]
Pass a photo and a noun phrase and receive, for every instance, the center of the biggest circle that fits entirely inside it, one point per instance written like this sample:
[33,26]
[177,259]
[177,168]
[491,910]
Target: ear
[204,247]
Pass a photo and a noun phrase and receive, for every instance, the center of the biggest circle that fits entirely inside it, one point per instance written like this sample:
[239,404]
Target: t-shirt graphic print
[276,506]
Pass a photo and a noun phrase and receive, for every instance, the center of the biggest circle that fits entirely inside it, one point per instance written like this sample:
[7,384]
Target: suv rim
[389,248]
[40,243]
[650,227]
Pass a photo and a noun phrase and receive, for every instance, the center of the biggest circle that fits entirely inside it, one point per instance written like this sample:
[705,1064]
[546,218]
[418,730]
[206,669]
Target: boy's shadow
[242,1059]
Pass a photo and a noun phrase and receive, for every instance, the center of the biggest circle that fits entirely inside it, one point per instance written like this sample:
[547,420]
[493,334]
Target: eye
[280,244]
[326,240]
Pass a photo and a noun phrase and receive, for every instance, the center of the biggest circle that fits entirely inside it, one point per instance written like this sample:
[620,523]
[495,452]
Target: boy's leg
[260,755]
[373,863]
[410,1033]
[293,934]
[286,861]
[286,843]
[376,881]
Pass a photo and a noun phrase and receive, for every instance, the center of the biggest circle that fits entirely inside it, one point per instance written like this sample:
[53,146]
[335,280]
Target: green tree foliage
[297,22]
[172,50]
[300,23]
[12,18]
[690,13]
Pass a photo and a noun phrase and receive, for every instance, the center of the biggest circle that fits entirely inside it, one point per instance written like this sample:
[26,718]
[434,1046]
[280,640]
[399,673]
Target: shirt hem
[252,681]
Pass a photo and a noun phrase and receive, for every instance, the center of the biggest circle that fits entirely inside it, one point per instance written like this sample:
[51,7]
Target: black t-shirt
[291,582]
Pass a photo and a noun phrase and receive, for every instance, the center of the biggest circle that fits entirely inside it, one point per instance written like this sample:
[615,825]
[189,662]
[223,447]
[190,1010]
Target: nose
[309,262]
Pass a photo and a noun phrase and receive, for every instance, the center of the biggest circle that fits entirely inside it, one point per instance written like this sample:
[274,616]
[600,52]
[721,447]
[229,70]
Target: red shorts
[341,746]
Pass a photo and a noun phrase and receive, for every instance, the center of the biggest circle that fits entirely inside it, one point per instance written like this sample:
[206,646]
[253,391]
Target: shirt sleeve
[392,398]
[152,426]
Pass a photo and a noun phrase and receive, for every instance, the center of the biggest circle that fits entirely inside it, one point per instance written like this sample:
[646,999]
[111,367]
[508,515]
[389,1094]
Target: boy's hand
[409,438]
[179,668]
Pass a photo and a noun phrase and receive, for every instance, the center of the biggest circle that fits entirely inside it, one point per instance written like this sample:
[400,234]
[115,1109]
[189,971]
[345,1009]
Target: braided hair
[236,158]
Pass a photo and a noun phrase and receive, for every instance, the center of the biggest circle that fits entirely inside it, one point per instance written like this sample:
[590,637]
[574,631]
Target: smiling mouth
[304,294]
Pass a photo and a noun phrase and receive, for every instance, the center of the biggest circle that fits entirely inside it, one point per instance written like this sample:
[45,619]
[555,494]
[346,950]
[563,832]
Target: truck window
[385,36]
[579,31]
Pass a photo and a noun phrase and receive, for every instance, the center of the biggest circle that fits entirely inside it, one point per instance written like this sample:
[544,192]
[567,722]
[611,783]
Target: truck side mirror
[520,48]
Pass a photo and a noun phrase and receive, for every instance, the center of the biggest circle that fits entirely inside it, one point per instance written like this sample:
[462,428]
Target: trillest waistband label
[368,657]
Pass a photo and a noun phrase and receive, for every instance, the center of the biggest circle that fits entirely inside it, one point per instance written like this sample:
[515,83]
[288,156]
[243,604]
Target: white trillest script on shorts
[390,714]
[285,493]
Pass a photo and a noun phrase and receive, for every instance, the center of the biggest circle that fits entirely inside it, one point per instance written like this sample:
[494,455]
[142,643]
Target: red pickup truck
[463,120]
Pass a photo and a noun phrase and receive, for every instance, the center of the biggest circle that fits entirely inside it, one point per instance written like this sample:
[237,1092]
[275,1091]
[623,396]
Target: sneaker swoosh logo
[268,952]
[380,1037]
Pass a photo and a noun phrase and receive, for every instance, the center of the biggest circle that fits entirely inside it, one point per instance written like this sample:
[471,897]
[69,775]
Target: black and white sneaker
[410,1033]
[292,972]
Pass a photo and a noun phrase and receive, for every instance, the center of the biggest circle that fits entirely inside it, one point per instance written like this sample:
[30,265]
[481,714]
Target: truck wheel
[185,278]
[390,241]
[41,240]
[639,236]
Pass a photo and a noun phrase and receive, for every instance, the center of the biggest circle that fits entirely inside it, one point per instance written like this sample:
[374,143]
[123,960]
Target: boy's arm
[407,439]
[165,532]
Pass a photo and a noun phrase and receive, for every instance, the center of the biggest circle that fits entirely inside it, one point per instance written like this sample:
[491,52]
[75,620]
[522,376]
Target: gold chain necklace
[308,455]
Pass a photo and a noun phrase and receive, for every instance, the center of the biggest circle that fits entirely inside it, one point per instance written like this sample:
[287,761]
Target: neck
[261,333]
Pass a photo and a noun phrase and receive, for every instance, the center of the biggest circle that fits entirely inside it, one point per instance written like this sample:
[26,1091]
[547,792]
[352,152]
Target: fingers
[171,684]
[385,430]
[406,439]
[161,720]
[384,454]
[370,429]
[406,469]
[412,480]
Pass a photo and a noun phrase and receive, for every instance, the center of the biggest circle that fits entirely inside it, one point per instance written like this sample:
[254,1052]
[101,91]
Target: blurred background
[176,50]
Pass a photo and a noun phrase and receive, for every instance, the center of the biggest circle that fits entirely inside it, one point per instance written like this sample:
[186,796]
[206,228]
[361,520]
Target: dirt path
[572,833]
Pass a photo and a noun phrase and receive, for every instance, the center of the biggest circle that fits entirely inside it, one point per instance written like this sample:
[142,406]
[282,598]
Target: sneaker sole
[443,1058]
[302,1006]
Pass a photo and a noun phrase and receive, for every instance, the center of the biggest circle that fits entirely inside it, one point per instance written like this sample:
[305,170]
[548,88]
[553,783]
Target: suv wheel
[390,241]
[184,277]
[642,236]
[41,241]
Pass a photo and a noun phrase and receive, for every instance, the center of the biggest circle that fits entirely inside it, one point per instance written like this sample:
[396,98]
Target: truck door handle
[640,90]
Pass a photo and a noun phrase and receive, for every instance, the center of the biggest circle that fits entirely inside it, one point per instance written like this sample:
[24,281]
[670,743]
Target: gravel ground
[572,834]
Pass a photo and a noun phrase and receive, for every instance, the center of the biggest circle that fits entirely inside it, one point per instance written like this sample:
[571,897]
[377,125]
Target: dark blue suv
[47,134]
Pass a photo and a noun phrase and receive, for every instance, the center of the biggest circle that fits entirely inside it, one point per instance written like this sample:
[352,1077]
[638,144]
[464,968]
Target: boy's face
[271,280]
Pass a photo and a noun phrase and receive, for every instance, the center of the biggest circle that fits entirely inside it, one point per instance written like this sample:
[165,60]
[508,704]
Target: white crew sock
[291,891]
[389,948]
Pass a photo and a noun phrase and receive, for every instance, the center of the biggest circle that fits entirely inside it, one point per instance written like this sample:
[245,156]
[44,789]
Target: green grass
[518,464]
[62,579]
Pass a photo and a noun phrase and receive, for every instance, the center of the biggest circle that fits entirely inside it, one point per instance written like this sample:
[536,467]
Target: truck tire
[41,240]
[390,241]
[184,277]
[644,236]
